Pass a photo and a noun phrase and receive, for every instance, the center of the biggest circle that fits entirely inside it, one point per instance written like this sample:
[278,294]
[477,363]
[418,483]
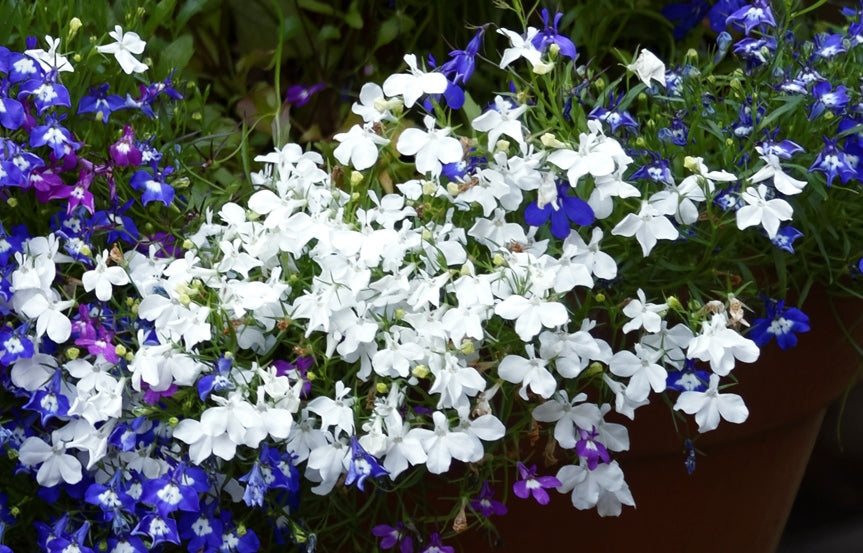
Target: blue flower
[780,323]
[688,379]
[46,92]
[153,185]
[54,135]
[827,98]
[833,162]
[49,402]
[549,36]
[750,16]
[720,11]
[158,528]
[828,45]
[562,212]
[202,531]
[460,67]
[690,456]
[755,50]
[101,103]
[217,381]
[394,535]
[687,15]
[677,133]
[363,465]
[15,344]
[785,238]
[117,223]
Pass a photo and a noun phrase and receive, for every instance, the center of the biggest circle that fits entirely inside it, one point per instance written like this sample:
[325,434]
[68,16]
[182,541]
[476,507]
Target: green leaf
[317,7]
[329,32]
[471,108]
[190,8]
[162,14]
[177,54]
[353,17]
[391,28]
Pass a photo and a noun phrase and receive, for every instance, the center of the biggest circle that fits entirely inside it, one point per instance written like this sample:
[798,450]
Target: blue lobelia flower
[750,16]
[158,528]
[102,104]
[54,135]
[202,531]
[688,379]
[718,14]
[531,484]
[460,67]
[828,45]
[826,97]
[549,35]
[49,401]
[833,162]
[217,381]
[153,185]
[562,212]
[677,133]
[590,449]
[686,15]
[485,504]
[117,223]
[780,323]
[46,92]
[785,238]
[363,465]
[394,535]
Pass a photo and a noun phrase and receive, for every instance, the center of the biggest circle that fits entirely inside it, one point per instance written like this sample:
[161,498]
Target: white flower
[359,147]
[643,315]
[101,278]
[335,412]
[721,346]
[648,226]
[404,447]
[414,84]
[531,314]
[642,370]
[235,417]
[454,380]
[501,119]
[568,416]
[51,59]
[373,107]
[201,444]
[528,371]
[710,405]
[126,44]
[521,47]
[57,465]
[647,66]
[47,308]
[431,147]
[761,211]
[602,487]
[442,446]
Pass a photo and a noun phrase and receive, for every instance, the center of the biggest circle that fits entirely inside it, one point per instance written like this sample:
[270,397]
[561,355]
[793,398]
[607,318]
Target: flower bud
[674,303]
[550,141]
[452,188]
[594,368]
[501,146]
[72,353]
[382,387]
[420,371]
[356,178]
[468,348]
[74,25]
[599,297]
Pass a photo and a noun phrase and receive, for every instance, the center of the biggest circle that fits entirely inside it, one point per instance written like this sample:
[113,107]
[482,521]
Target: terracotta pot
[739,497]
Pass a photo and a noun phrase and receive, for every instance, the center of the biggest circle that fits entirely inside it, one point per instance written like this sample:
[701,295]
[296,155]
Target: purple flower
[394,535]
[299,95]
[549,36]
[125,152]
[486,504]
[101,103]
[752,15]
[531,484]
[780,323]
[363,465]
[591,450]
[564,211]
[435,545]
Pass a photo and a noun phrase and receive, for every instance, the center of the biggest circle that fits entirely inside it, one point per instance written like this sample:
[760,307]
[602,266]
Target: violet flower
[531,484]
[485,504]
[299,95]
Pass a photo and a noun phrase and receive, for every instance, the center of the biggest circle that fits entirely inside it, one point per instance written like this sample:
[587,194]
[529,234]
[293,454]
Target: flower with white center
[721,346]
[642,369]
[597,155]
[643,315]
[359,147]
[327,463]
[56,465]
[521,47]
[501,119]
[648,226]
[648,67]
[710,406]
[126,45]
[46,308]
[335,411]
[568,416]
[403,446]
[236,417]
[623,403]
[432,147]
[602,487]
[102,278]
[442,445]
[454,380]
[528,371]
[201,444]
[531,314]
[773,170]
[51,59]
[762,211]
[373,107]
[411,86]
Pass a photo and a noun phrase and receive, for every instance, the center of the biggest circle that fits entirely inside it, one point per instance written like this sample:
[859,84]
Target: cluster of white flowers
[404,297]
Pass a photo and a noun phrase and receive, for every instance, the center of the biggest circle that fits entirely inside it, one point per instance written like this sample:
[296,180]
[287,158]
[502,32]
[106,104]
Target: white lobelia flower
[403,446]
[773,170]
[454,380]
[721,346]
[442,445]
[102,277]
[201,444]
[432,147]
[762,211]
[528,371]
[602,487]
[648,226]
[648,67]
[51,59]
[710,406]
[46,307]
[531,314]
[126,45]
[520,47]
[643,315]
[359,147]
[56,465]
[411,86]
[373,107]
[642,369]
[568,416]
[236,417]
[501,119]
[335,412]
